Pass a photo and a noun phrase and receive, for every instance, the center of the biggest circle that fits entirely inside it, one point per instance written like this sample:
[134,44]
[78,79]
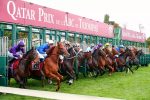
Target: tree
[148,42]
[106,18]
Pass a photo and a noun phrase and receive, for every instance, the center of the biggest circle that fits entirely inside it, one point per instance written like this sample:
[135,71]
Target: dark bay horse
[21,69]
[123,60]
[81,62]
[51,63]
[99,60]
[135,61]
[38,73]
[104,60]
[67,66]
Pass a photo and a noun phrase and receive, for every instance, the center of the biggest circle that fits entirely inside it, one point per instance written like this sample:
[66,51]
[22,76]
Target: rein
[76,54]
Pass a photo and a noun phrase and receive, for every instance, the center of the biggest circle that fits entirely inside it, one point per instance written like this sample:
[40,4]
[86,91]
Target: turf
[120,85]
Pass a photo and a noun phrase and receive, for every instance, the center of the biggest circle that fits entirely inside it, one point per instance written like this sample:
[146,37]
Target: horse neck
[114,52]
[124,55]
[138,54]
[23,66]
[72,54]
[54,54]
[87,55]
[108,53]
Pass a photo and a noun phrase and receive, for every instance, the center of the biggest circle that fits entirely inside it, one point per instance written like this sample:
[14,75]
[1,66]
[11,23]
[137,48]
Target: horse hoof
[70,83]
[57,90]
[50,82]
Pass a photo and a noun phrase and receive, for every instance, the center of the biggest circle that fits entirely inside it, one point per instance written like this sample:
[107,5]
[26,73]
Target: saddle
[13,64]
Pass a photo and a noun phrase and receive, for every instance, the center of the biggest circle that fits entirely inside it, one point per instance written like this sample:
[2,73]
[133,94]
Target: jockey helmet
[50,41]
[21,43]
[92,45]
[67,43]
[100,45]
[121,46]
[107,44]
[77,44]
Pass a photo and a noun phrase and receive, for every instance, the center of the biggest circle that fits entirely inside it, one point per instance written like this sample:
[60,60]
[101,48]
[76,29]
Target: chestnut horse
[109,60]
[51,63]
[21,69]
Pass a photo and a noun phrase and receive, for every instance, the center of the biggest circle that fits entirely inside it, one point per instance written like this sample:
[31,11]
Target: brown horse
[115,55]
[123,60]
[134,60]
[21,69]
[51,63]
[109,60]
[67,67]
[38,73]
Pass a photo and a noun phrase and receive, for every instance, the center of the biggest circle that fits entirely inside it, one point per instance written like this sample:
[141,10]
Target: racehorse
[51,63]
[21,69]
[115,55]
[108,60]
[81,61]
[123,59]
[39,72]
[67,67]
[135,60]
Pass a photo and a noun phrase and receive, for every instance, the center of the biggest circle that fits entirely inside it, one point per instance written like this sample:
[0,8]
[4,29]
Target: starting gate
[3,60]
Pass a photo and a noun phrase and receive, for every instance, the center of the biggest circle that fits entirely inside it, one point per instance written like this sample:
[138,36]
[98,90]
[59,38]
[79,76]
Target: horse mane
[25,55]
[69,50]
[94,52]
[49,51]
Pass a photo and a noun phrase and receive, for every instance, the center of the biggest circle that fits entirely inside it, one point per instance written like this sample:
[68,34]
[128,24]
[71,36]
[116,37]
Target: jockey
[83,46]
[120,49]
[16,52]
[77,47]
[108,46]
[99,45]
[43,48]
[67,44]
[96,47]
[89,49]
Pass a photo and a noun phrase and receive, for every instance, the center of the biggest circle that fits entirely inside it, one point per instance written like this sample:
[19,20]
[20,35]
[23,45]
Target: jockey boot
[11,61]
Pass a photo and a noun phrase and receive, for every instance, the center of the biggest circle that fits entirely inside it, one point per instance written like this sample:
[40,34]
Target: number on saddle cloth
[36,66]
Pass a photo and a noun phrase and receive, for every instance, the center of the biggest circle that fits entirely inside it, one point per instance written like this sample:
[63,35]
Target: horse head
[31,55]
[101,52]
[72,52]
[139,53]
[129,53]
[114,51]
[61,49]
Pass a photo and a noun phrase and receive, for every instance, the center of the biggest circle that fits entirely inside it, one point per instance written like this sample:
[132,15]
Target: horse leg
[9,80]
[102,70]
[18,80]
[137,67]
[111,69]
[25,80]
[130,68]
[42,77]
[70,78]
[60,76]
[55,77]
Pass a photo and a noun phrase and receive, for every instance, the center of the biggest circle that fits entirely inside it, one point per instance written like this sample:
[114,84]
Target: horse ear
[33,48]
